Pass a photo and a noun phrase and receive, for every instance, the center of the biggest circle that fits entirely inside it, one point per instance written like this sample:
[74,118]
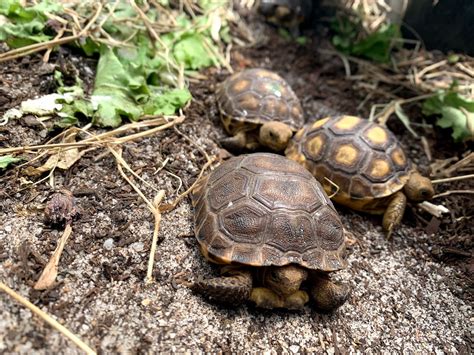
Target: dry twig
[47,318]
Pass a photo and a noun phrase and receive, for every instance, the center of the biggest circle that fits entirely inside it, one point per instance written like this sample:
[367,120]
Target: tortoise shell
[363,160]
[254,96]
[263,209]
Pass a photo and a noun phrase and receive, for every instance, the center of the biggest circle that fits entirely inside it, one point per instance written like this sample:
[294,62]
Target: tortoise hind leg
[234,288]
[394,213]
[326,294]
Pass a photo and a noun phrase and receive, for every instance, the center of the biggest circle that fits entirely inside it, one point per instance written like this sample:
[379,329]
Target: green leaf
[457,120]
[284,33]
[113,91]
[6,160]
[374,46]
[456,112]
[402,116]
[191,51]
[25,25]
[377,45]
[167,103]
[301,40]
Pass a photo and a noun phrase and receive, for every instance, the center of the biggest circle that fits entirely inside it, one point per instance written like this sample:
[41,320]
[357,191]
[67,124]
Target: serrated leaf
[167,103]
[457,112]
[402,116]
[457,120]
[6,160]
[191,52]
[25,23]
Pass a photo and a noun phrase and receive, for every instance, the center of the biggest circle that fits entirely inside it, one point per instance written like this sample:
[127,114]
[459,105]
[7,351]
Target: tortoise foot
[266,298]
[296,300]
[328,295]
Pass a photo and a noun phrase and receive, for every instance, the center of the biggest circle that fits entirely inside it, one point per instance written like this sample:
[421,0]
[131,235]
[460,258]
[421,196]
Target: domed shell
[256,96]
[263,209]
[362,158]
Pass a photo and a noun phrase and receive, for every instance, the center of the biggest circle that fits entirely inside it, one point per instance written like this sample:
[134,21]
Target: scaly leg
[239,142]
[234,288]
[326,294]
[394,213]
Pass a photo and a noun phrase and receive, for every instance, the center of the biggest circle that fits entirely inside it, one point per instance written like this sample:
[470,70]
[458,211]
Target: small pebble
[294,349]
[137,246]
[109,244]
[8,229]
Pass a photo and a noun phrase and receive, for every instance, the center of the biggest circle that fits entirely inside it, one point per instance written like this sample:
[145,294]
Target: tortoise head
[419,188]
[275,135]
[285,280]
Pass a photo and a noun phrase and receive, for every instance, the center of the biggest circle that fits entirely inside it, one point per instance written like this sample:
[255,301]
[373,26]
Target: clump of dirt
[406,296]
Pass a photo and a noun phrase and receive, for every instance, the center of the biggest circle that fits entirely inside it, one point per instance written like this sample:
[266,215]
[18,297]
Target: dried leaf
[48,276]
[402,116]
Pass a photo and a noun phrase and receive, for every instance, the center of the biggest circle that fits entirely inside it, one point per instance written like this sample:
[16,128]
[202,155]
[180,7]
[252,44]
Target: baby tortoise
[363,164]
[258,107]
[287,13]
[269,221]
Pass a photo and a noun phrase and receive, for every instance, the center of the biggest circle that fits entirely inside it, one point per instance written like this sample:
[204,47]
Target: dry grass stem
[333,184]
[47,318]
[454,178]
[20,52]
[107,137]
[157,214]
[170,206]
[48,276]
[453,192]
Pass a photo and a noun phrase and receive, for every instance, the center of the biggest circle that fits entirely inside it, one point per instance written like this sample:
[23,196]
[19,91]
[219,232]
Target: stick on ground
[47,318]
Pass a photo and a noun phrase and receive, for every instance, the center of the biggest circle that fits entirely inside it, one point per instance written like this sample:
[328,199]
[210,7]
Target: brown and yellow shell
[263,209]
[255,96]
[358,159]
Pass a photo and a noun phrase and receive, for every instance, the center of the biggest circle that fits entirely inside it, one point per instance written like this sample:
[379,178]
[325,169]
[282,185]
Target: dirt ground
[410,294]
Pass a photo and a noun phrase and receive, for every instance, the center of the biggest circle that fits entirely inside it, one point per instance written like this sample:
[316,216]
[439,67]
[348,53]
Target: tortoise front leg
[326,294]
[234,288]
[394,213]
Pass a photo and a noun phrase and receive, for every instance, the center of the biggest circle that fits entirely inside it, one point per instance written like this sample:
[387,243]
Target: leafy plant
[6,160]
[454,111]
[139,73]
[21,26]
[376,46]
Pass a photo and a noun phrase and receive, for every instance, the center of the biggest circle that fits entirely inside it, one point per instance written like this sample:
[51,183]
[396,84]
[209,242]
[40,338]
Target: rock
[109,244]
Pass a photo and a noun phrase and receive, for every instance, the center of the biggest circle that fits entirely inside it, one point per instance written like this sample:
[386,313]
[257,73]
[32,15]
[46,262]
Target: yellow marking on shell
[319,123]
[241,85]
[377,135]
[347,122]
[315,145]
[293,154]
[380,168]
[346,154]
[248,102]
[399,157]
[299,134]
[296,111]
[268,74]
